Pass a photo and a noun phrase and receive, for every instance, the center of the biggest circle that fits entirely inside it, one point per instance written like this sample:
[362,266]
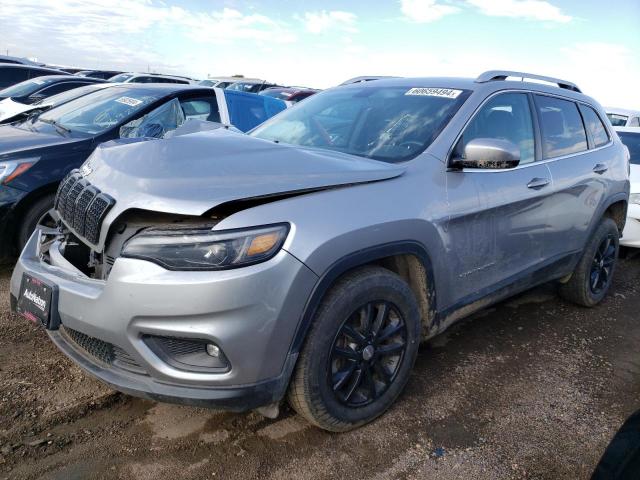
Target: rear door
[248,110]
[578,159]
[498,218]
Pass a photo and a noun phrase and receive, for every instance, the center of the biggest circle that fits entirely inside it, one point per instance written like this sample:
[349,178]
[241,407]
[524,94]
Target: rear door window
[594,126]
[635,122]
[561,126]
[505,117]
[617,120]
[201,108]
[632,141]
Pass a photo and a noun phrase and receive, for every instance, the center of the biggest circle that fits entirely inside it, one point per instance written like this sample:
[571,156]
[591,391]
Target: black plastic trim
[351,261]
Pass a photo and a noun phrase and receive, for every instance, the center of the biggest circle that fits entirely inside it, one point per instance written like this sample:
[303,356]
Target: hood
[21,140]
[10,108]
[191,174]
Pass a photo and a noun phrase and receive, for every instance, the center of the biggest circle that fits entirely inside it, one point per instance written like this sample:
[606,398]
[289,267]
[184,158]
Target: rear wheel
[592,277]
[40,213]
[359,353]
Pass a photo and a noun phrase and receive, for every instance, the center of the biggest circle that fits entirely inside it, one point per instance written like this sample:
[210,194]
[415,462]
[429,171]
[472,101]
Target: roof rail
[493,75]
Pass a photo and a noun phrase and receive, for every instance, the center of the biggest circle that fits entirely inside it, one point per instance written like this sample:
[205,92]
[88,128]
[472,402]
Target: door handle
[538,183]
[600,168]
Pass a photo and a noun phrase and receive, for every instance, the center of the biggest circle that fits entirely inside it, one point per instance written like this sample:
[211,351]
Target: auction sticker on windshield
[132,102]
[435,92]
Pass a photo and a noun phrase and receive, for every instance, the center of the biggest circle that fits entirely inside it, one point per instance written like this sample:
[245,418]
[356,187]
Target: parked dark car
[11,73]
[289,94]
[34,90]
[19,61]
[104,74]
[11,112]
[37,153]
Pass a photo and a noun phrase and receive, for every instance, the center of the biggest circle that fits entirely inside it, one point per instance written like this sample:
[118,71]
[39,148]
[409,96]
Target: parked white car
[630,136]
[620,117]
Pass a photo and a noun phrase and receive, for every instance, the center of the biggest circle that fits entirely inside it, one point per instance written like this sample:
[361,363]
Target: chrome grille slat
[82,206]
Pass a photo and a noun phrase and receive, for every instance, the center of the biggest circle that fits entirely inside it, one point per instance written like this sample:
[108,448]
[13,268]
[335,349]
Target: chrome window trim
[526,165]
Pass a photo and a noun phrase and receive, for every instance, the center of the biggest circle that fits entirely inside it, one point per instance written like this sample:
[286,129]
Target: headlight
[200,249]
[12,169]
[634,198]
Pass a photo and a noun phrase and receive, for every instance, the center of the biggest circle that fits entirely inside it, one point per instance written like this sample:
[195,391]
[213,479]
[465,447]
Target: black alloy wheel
[367,353]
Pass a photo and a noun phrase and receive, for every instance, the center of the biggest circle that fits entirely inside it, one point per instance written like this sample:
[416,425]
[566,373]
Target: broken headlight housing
[205,249]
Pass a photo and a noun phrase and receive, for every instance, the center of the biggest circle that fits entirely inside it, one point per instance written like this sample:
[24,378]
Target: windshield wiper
[57,125]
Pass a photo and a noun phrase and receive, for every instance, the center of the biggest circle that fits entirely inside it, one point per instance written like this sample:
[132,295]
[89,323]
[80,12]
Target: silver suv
[309,259]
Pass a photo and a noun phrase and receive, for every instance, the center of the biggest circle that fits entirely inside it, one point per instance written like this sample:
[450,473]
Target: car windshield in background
[632,141]
[384,123]
[123,77]
[99,111]
[245,87]
[69,95]
[617,120]
[23,89]
[281,94]
[207,83]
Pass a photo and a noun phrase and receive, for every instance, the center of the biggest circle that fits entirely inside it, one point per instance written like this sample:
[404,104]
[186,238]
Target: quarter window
[594,126]
[562,128]
[505,117]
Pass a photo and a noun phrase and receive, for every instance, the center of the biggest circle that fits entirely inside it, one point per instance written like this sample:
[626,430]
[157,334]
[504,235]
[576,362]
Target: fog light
[213,350]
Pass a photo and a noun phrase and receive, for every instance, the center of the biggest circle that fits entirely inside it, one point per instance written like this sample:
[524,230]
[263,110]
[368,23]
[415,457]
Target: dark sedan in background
[36,89]
[12,73]
[37,153]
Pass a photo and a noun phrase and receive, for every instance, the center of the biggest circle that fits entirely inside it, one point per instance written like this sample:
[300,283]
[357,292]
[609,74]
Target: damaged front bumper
[250,313]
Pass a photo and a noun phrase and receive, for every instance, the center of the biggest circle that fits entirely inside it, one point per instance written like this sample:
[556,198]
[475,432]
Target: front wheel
[592,277]
[359,353]
[40,213]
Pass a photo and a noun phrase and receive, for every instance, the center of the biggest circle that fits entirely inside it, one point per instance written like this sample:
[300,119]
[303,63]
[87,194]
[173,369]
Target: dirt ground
[532,388]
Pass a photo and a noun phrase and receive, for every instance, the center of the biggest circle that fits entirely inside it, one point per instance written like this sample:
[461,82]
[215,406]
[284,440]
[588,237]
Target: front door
[498,218]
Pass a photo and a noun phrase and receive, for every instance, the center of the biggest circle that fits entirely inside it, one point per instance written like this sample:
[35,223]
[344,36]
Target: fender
[621,196]
[351,261]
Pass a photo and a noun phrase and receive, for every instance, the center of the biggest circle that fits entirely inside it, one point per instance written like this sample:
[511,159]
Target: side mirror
[489,153]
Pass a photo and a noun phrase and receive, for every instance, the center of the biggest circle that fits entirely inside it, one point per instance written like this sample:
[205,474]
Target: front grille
[82,206]
[102,351]
[98,349]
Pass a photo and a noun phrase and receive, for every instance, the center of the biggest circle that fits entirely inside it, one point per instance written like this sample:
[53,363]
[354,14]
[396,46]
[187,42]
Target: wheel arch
[408,259]
[27,202]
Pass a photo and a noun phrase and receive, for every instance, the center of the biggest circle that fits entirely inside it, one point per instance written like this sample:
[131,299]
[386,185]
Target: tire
[32,217]
[592,277]
[369,371]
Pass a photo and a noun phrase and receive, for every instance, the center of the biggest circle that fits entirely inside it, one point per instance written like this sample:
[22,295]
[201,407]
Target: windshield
[99,111]
[632,141]
[281,94]
[617,120]
[207,83]
[123,77]
[385,123]
[25,88]
[244,86]
[69,95]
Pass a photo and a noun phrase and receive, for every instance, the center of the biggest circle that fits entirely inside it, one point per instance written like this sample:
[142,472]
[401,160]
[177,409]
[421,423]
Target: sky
[593,43]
